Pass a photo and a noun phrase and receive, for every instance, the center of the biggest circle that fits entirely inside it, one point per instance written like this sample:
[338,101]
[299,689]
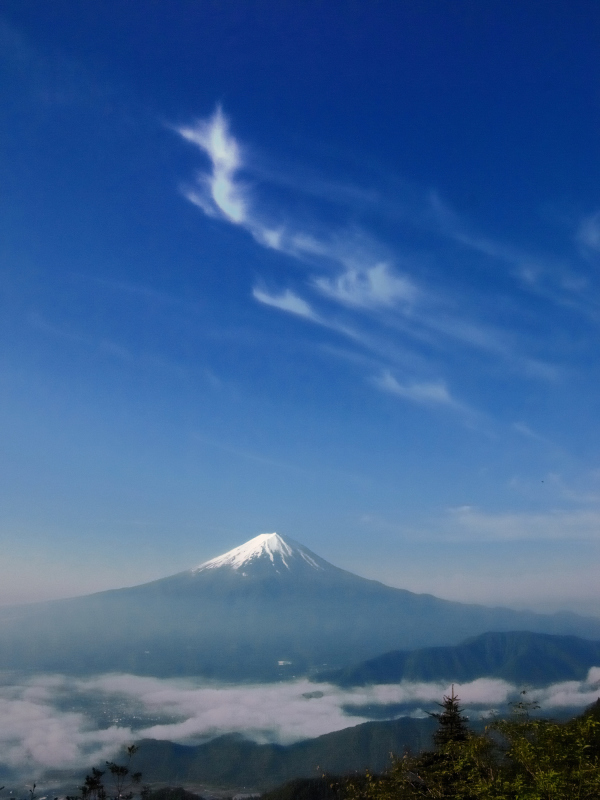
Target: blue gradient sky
[330,269]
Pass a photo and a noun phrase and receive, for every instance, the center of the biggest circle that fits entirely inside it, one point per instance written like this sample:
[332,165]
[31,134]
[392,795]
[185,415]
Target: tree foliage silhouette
[518,758]
[452,724]
[121,786]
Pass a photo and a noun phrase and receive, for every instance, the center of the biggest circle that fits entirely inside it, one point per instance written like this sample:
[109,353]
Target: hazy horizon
[543,607]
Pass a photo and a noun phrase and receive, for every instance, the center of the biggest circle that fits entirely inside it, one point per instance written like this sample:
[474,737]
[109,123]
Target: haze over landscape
[299,379]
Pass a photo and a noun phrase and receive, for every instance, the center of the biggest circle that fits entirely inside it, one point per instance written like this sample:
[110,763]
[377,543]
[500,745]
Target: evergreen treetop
[452,723]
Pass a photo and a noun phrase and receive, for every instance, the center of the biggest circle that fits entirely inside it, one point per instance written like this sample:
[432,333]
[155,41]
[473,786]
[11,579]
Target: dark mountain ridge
[233,761]
[519,657]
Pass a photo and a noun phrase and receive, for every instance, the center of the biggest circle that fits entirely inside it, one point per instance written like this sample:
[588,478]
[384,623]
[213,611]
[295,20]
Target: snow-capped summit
[266,549]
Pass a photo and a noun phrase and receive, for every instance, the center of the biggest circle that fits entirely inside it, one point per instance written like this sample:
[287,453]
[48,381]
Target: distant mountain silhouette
[519,657]
[266,610]
[234,762]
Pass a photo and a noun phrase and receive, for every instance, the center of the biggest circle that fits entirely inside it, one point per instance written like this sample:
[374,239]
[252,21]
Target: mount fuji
[265,553]
[265,610]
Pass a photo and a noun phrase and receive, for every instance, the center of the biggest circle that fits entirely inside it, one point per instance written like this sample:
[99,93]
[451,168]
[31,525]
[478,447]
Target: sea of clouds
[55,722]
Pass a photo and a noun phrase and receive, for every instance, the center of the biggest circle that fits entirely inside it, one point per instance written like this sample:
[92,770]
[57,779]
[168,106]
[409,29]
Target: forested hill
[519,657]
[232,761]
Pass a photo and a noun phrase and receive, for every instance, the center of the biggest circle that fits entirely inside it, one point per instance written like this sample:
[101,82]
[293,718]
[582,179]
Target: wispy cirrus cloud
[559,280]
[355,286]
[469,523]
[588,233]
[355,276]
[285,301]
[433,393]
[368,287]
[218,193]
[527,431]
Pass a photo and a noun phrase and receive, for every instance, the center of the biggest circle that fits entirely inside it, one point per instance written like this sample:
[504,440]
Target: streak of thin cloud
[353,272]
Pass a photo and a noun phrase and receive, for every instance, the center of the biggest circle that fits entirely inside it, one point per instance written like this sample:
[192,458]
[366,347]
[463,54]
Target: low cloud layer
[56,722]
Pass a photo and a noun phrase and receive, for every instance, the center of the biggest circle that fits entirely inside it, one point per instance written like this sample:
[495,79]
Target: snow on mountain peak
[264,547]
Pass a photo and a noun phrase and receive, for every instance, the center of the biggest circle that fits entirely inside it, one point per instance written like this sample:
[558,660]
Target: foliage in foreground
[514,759]
[123,782]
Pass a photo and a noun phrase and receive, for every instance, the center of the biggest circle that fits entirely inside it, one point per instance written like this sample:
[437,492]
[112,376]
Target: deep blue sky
[325,268]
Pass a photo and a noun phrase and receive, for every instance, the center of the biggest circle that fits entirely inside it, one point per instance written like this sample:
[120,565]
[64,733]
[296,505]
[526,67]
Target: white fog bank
[58,722]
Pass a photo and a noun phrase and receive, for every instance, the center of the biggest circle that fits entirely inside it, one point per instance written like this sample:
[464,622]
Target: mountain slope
[234,762]
[519,657]
[237,616]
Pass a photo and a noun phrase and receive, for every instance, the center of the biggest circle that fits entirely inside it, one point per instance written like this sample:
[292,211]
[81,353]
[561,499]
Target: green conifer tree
[452,722]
